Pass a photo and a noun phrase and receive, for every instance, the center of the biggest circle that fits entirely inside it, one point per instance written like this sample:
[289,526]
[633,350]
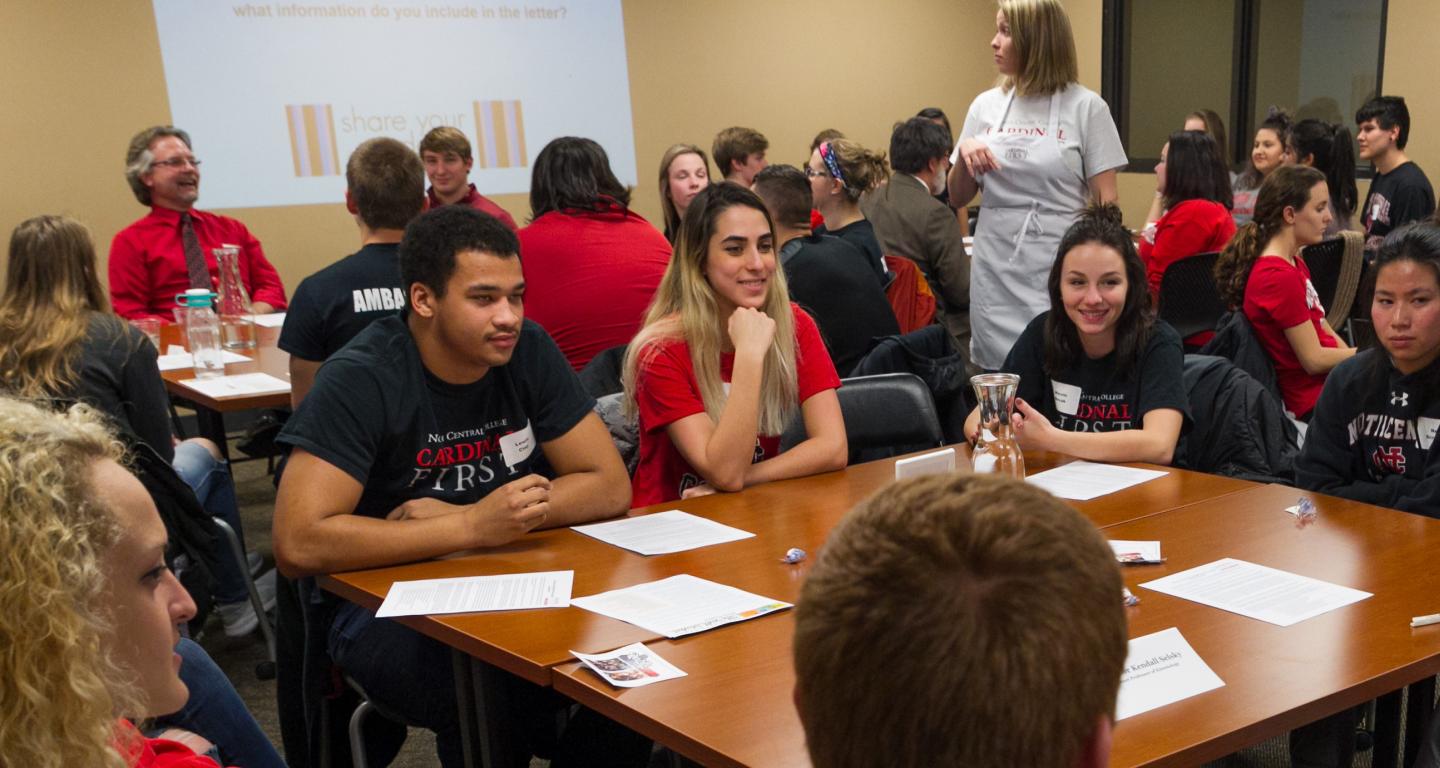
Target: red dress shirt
[147,263]
[480,203]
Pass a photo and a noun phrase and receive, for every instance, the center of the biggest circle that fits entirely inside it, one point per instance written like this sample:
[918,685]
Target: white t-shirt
[1089,142]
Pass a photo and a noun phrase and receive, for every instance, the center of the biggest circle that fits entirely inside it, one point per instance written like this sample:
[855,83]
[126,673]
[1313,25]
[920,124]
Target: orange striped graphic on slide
[500,134]
[312,140]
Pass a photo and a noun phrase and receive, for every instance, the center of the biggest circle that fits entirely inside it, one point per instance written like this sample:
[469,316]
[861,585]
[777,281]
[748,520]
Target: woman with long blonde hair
[88,610]
[1040,146]
[724,361]
[59,343]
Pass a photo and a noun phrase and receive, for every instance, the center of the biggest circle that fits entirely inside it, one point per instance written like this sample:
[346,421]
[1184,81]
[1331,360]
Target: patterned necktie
[194,259]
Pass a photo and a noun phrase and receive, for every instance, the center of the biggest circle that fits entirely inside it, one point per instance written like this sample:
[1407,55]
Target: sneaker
[239,618]
[256,561]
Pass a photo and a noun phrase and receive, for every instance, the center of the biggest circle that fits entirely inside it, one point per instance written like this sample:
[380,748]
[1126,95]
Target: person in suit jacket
[910,222]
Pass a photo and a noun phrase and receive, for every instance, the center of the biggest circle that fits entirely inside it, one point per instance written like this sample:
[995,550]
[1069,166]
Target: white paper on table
[176,349]
[1162,669]
[182,359]
[239,384]
[1085,480]
[1147,550]
[1268,594]
[679,605]
[469,594]
[272,320]
[630,667]
[662,532]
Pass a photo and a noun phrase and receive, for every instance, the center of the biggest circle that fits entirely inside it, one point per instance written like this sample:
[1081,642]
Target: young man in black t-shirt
[1400,192]
[385,189]
[425,436]
[829,277]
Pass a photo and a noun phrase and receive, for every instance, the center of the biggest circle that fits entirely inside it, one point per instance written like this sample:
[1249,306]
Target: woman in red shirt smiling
[1263,273]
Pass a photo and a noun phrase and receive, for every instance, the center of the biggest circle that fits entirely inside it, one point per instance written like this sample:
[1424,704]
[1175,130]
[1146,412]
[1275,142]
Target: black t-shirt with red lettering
[1090,397]
[379,416]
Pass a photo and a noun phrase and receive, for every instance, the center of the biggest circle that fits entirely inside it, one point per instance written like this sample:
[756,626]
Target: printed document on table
[630,667]
[662,532]
[239,384]
[182,359]
[1085,480]
[469,594]
[1267,594]
[680,605]
[272,320]
[1162,669]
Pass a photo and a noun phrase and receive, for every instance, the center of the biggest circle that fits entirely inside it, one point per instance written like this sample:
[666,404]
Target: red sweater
[1191,227]
[589,277]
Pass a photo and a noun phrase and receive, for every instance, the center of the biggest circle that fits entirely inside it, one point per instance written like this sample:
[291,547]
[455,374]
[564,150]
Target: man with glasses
[172,248]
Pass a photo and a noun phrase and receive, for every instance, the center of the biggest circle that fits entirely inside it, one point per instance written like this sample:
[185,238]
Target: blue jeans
[412,677]
[216,712]
[209,477]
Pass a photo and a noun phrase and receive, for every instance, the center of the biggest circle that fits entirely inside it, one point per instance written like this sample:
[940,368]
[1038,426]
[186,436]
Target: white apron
[1027,205]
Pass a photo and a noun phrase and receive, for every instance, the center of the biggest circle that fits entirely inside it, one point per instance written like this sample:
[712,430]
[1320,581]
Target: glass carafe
[236,321]
[996,449]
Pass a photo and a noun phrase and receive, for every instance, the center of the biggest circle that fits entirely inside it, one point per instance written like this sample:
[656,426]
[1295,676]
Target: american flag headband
[827,154]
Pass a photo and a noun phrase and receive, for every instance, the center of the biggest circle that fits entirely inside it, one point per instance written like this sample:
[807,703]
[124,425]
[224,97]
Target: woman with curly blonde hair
[724,361]
[88,610]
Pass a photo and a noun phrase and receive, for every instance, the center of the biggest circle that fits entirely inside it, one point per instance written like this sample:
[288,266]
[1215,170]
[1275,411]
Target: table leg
[1419,706]
[482,694]
[1387,730]
[212,426]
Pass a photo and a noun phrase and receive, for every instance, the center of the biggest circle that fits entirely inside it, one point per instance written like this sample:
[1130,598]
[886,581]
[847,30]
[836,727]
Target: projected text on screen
[276,95]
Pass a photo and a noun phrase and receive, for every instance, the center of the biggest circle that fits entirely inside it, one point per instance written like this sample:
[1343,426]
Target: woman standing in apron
[1039,146]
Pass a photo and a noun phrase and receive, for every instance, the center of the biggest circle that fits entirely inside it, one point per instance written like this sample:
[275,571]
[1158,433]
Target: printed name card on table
[1161,669]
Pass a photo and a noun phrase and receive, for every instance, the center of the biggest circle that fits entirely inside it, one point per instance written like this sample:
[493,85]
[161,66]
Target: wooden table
[209,411]
[735,707]
[790,513]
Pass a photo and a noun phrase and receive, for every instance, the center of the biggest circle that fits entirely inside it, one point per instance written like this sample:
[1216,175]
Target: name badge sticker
[517,446]
[1427,427]
[1067,397]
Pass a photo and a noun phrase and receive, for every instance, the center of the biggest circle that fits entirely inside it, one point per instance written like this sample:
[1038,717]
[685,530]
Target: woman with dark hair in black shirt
[1100,377]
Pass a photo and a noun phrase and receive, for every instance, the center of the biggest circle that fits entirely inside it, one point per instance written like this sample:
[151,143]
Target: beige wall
[81,77]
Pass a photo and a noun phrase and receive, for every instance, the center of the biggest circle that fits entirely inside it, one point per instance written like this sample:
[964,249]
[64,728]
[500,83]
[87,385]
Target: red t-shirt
[667,392]
[589,275]
[1279,295]
[147,263]
[479,202]
[141,752]
[1191,227]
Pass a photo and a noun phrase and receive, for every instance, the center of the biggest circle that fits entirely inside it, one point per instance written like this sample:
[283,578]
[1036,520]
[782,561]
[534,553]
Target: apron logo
[1016,153]
[1401,399]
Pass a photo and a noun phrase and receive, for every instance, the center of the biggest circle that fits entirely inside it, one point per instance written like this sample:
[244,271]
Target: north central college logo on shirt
[458,461]
[1079,412]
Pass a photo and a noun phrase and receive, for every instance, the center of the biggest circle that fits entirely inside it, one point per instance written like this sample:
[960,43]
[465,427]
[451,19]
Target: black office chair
[885,415]
[1335,266]
[1189,299]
